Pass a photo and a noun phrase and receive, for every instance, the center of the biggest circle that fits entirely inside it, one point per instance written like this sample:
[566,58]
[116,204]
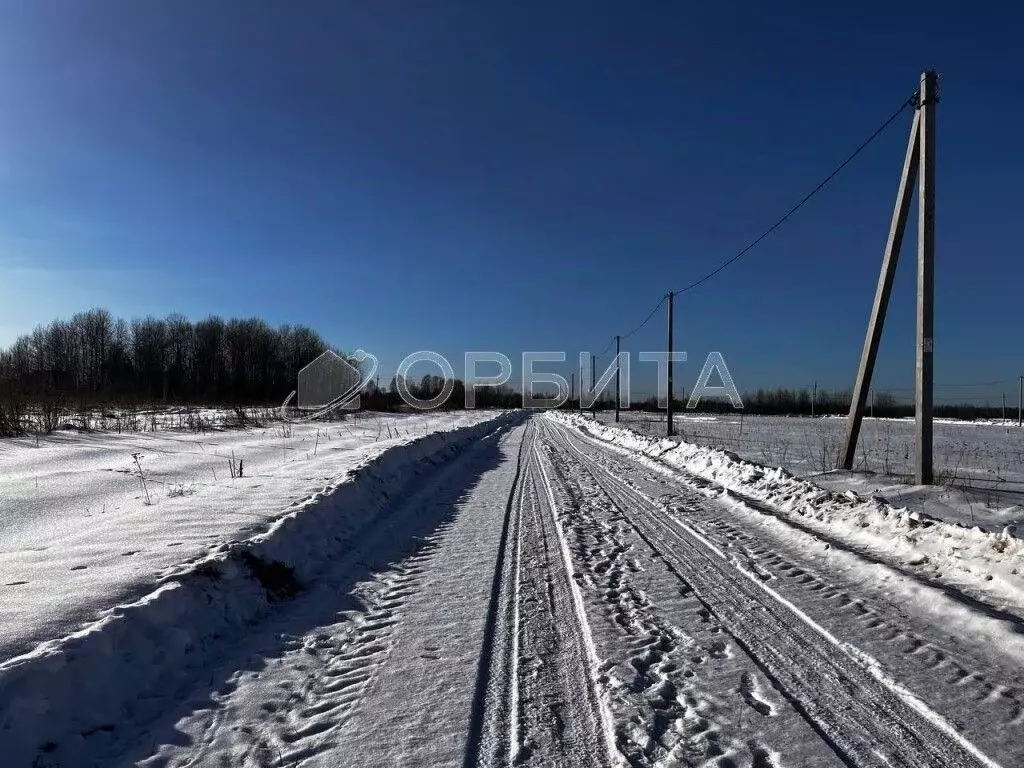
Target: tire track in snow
[577,657]
[541,705]
[295,693]
[866,718]
[923,656]
[661,717]
[492,727]
[322,680]
[968,684]
[420,709]
[347,662]
[929,577]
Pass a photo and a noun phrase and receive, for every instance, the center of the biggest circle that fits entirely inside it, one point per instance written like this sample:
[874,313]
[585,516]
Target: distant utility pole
[572,389]
[814,397]
[593,384]
[1020,402]
[668,413]
[919,165]
[1004,407]
[618,377]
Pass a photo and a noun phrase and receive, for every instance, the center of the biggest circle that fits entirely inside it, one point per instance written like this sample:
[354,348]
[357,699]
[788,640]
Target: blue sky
[478,175]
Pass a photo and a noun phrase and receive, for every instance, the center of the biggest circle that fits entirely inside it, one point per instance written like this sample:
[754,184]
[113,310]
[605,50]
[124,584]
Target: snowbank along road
[541,597]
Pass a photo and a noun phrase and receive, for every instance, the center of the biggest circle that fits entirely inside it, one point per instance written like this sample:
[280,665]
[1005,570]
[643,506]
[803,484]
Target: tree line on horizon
[785,401]
[94,359]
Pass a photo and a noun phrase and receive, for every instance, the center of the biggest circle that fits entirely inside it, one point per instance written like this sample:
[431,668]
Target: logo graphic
[331,382]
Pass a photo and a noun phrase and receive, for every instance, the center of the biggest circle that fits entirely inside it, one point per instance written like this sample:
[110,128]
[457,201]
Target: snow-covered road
[797,634]
[542,598]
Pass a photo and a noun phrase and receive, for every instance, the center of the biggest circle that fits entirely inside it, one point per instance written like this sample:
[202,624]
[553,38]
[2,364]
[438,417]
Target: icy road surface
[542,598]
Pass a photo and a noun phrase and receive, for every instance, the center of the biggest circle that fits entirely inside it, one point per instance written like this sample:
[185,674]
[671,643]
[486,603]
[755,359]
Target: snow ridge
[987,566]
[68,689]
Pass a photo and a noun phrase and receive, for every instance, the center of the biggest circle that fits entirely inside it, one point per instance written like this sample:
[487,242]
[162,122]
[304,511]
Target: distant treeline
[94,358]
[797,402]
[429,387]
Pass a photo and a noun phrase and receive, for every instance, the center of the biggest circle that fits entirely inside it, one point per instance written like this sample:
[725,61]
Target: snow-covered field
[979,466]
[80,533]
[543,591]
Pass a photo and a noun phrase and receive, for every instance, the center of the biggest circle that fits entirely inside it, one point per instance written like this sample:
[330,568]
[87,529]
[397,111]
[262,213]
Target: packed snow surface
[548,591]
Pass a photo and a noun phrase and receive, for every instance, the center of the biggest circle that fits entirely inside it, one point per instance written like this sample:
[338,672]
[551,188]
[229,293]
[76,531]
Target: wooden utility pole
[1004,407]
[919,166]
[1020,403]
[668,412]
[926,278]
[814,397]
[572,389]
[593,383]
[618,377]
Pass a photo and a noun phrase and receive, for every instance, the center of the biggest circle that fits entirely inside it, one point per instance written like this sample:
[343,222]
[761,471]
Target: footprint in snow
[15,583]
[78,567]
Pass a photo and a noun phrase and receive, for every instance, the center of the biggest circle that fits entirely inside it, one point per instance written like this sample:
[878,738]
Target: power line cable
[912,101]
[623,337]
[647,319]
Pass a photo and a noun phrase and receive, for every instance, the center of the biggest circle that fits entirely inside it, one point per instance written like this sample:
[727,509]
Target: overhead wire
[648,318]
[912,101]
